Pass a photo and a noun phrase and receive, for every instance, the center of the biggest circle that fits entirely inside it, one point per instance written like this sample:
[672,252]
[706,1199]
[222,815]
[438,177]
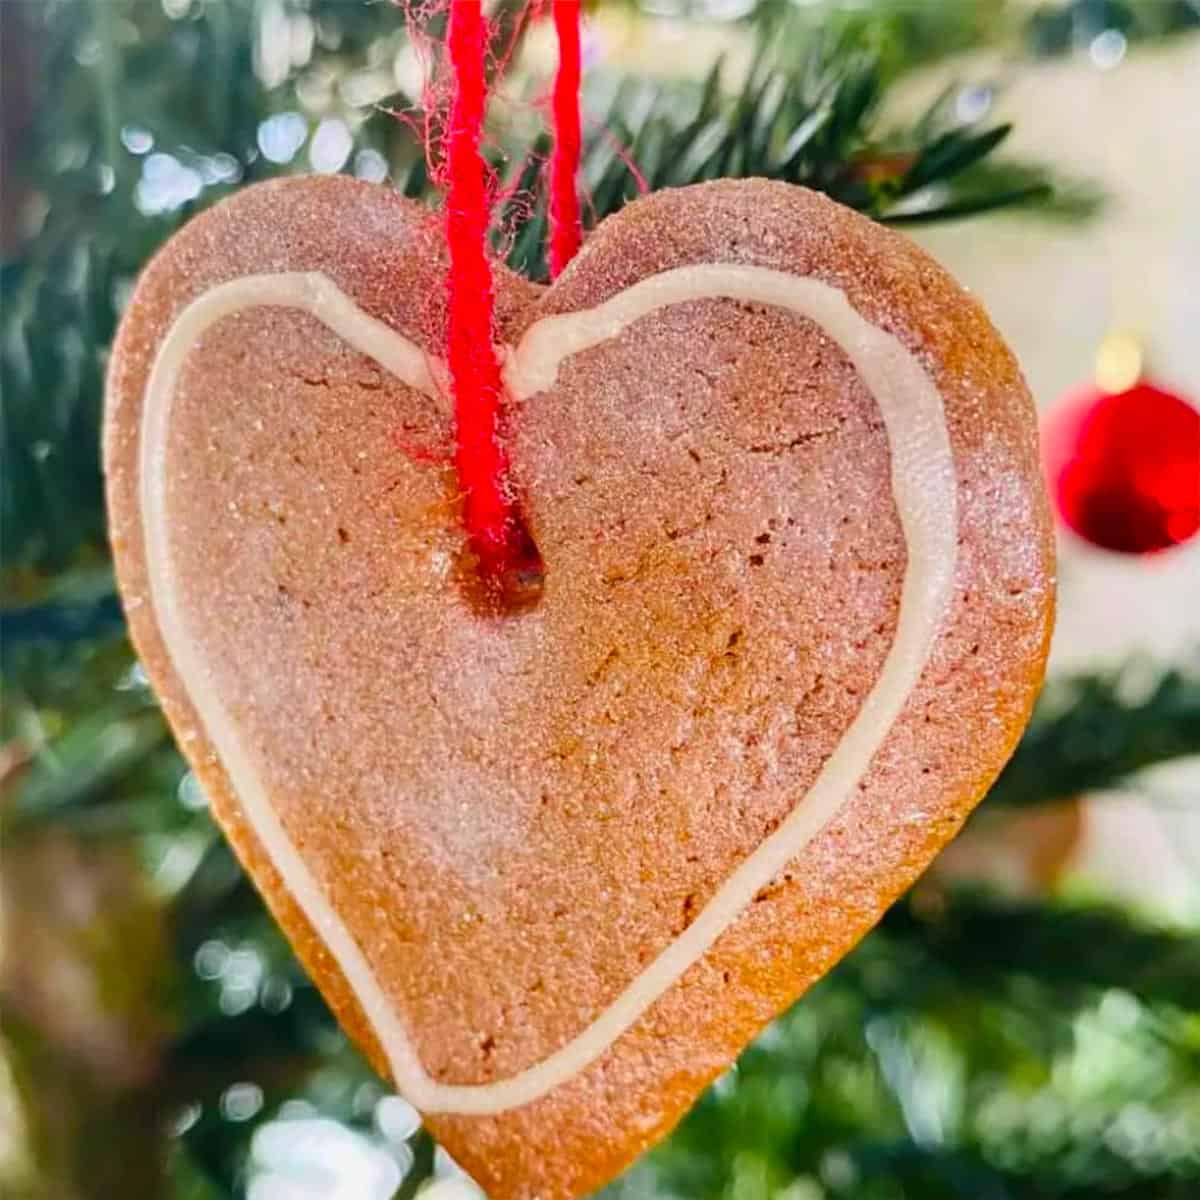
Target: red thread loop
[507,559]
[566,231]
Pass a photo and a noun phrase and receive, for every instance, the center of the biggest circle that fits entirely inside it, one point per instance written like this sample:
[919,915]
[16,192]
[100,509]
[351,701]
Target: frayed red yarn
[566,231]
[497,535]
[502,547]
[426,33]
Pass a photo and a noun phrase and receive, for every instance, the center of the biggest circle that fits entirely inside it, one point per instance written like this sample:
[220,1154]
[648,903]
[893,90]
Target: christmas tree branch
[807,114]
[1094,731]
[977,939]
[951,1173]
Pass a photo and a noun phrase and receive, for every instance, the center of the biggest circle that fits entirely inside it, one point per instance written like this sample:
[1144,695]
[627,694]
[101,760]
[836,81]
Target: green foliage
[976,941]
[906,35]
[1097,729]
[971,1046]
[808,112]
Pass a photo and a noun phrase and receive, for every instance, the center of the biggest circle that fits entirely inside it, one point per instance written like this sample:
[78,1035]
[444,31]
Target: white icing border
[925,493]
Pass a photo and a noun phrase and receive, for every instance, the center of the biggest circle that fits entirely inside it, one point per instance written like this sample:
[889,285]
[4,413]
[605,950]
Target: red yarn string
[497,535]
[566,232]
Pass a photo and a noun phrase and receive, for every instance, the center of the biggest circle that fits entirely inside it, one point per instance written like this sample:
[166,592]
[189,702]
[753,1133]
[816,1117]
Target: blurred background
[1026,1023]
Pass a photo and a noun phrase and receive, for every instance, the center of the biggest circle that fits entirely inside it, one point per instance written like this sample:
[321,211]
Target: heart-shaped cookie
[554,869]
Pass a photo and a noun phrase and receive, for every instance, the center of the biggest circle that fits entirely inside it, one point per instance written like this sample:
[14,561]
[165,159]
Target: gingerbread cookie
[554,869]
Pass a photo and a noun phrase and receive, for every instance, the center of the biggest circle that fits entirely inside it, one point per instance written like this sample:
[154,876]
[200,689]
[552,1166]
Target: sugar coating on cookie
[512,823]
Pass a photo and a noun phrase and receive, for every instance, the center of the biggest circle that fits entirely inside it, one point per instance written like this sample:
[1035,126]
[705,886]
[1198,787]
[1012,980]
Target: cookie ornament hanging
[568,765]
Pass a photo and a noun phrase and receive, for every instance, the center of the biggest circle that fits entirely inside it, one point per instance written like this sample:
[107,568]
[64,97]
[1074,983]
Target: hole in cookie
[503,581]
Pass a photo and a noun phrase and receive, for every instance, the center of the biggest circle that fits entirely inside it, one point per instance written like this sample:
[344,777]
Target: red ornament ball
[1124,467]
